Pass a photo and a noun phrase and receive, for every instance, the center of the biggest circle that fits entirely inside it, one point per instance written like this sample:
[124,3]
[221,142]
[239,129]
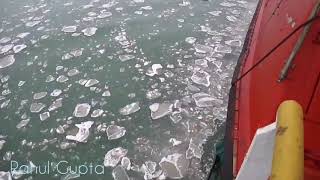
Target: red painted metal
[260,93]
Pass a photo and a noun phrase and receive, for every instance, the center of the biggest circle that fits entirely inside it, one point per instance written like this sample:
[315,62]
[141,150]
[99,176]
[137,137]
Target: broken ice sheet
[126,57]
[174,166]
[6,61]
[125,163]
[69,29]
[190,40]
[37,107]
[2,142]
[113,156]
[153,94]
[19,48]
[55,105]
[39,95]
[201,77]
[83,132]
[205,100]
[81,110]
[160,110]
[90,31]
[195,148]
[44,116]
[119,173]
[203,49]
[22,123]
[56,92]
[5,48]
[115,132]
[154,69]
[130,108]
[91,82]
[97,113]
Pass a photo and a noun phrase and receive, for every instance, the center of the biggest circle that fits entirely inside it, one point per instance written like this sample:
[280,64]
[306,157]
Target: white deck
[258,161]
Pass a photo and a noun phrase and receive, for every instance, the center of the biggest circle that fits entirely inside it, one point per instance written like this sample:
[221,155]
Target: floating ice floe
[39,95]
[115,132]
[203,49]
[176,117]
[104,15]
[55,105]
[62,78]
[23,35]
[56,92]
[106,93]
[119,173]
[149,170]
[222,49]
[32,23]
[83,132]
[21,83]
[22,123]
[2,142]
[153,94]
[97,113]
[215,13]
[201,77]
[6,61]
[154,69]
[73,72]
[44,116]
[130,108]
[82,110]
[236,43]
[227,4]
[5,48]
[138,1]
[205,100]
[146,8]
[126,57]
[19,48]
[37,107]
[201,62]
[28,169]
[190,40]
[90,31]
[5,40]
[113,156]
[69,29]
[174,166]
[125,163]
[195,148]
[160,110]
[91,82]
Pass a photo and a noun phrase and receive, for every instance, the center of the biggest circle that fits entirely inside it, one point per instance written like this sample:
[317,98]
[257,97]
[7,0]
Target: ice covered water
[153,77]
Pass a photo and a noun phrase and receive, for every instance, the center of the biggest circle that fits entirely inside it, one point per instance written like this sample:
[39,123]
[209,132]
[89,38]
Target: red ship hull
[254,99]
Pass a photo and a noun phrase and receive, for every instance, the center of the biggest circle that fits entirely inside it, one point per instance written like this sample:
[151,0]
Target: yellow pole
[287,162]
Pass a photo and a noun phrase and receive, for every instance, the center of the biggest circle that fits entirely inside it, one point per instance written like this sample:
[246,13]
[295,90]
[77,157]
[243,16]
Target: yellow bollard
[288,155]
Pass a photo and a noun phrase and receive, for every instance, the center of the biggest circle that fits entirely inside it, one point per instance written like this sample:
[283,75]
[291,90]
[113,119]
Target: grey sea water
[138,87]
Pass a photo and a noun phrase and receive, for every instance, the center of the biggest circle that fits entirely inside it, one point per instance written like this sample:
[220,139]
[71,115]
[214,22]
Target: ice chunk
[130,108]
[119,173]
[91,82]
[69,29]
[125,163]
[2,142]
[138,1]
[44,116]
[90,31]
[6,61]
[115,132]
[5,40]
[155,69]
[22,123]
[176,117]
[160,110]
[215,13]
[201,77]
[23,35]
[19,48]
[39,95]
[70,175]
[104,15]
[62,78]
[56,92]
[106,93]
[32,23]
[205,100]
[73,72]
[55,105]
[174,166]
[37,107]
[235,42]
[195,148]
[5,48]
[21,83]
[222,49]
[113,156]
[201,62]
[203,49]
[153,94]
[82,110]
[126,57]
[97,113]
[231,18]
[83,132]
[76,52]
[146,8]
[5,175]
[190,40]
